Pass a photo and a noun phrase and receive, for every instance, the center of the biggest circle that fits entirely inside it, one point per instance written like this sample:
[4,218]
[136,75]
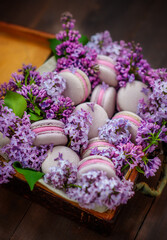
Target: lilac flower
[73,54]
[148,136]
[155,109]
[77,128]
[115,131]
[61,109]
[6,172]
[130,65]
[54,84]
[98,190]
[67,20]
[102,43]
[129,157]
[62,176]
[21,146]
[150,166]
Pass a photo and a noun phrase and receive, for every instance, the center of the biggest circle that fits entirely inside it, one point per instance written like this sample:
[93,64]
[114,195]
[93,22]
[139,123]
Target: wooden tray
[20,45]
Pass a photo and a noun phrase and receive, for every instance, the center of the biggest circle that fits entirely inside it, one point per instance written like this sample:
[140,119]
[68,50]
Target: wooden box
[19,45]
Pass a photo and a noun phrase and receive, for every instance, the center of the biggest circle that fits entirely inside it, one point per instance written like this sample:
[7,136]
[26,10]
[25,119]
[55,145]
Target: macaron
[129,96]
[107,72]
[65,153]
[105,96]
[49,131]
[98,143]
[95,163]
[133,119]
[78,86]
[98,114]
[48,66]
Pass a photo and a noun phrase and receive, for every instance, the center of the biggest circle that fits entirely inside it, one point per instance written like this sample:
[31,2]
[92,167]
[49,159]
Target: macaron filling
[128,118]
[45,129]
[98,144]
[100,97]
[105,63]
[94,161]
[85,85]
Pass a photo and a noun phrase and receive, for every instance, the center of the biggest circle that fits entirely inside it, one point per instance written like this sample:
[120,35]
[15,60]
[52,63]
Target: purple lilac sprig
[20,148]
[115,131]
[155,109]
[41,105]
[54,84]
[61,109]
[6,172]
[148,136]
[129,157]
[102,43]
[25,76]
[62,176]
[98,190]
[77,128]
[130,65]
[71,53]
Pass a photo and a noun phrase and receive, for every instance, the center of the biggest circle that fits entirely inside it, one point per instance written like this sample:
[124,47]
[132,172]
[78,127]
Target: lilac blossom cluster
[62,176]
[98,190]
[72,54]
[130,65]
[115,131]
[155,109]
[77,128]
[61,109]
[54,84]
[20,148]
[6,172]
[102,43]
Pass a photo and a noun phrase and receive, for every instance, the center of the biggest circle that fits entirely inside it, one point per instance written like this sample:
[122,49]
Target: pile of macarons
[106,101]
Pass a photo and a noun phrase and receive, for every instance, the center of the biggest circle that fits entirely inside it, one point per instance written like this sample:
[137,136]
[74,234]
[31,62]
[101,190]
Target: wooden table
[143,21]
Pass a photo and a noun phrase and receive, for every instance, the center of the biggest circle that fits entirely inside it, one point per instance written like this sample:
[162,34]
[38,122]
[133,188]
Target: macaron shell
[67,154]
[75,88]
[109,100]
[95,94]
[101,164]
[129,96]
[107,74]
[99,117]
[51,137]
[48,66]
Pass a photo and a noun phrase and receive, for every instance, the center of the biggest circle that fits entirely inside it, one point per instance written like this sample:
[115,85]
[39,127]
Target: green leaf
[16,102]
[30,175]
[53,44]
[37,110]
[34,116]
[83,39]
[139,170]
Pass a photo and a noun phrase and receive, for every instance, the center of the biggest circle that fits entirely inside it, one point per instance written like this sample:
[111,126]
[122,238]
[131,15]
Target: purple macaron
[49,131]
[96,163]
[105,96]
[129,96]
[107,72]
[98,114]
[78,86]
[66,154]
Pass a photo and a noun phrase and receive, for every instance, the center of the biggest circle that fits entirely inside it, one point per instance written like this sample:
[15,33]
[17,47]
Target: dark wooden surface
[143,21]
